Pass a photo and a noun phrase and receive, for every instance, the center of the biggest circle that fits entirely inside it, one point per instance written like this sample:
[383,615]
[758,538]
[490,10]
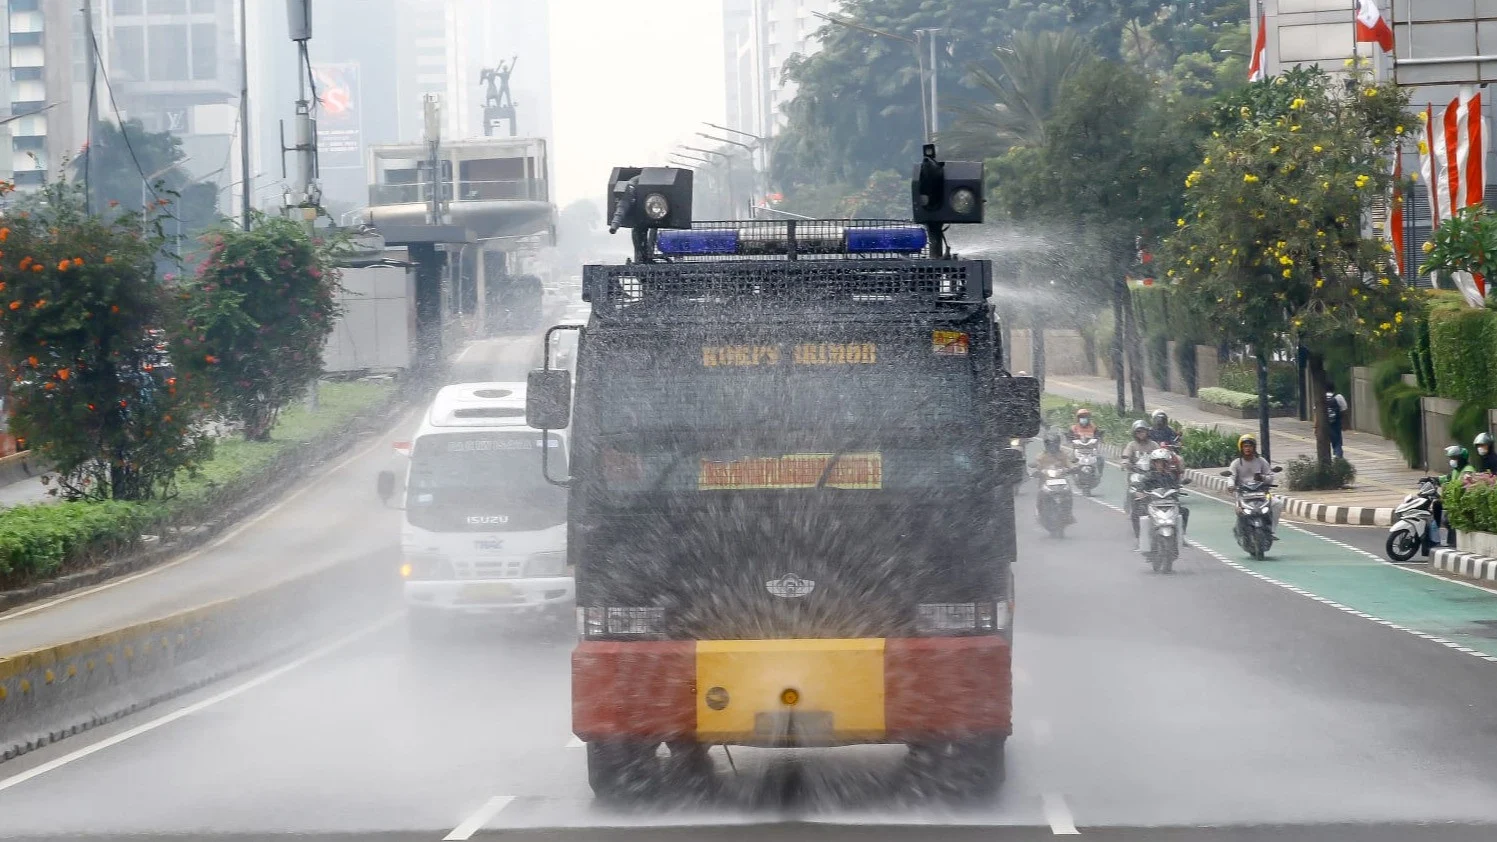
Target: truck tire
[622,772]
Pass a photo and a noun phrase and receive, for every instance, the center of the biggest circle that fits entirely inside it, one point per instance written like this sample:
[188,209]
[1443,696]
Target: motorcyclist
[1161,473]
[1053,456]
[1139,447]
[1249,467]
[1160,430]
[1486,455]
[1459,460]
[1084,428]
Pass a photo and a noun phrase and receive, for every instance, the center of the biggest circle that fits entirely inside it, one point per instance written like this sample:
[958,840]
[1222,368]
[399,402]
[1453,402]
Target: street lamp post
[750,150]
[728,163]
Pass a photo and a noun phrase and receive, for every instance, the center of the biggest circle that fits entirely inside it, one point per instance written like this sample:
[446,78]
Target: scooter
[1414,521]
[1053,506]
[1162,527]
[1088,465]
[1254,527]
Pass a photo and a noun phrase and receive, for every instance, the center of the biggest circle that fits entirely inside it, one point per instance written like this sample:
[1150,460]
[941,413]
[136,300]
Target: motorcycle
[1162,527]
[1414,521]
[1053,506]
[1254,527]
[1088,465]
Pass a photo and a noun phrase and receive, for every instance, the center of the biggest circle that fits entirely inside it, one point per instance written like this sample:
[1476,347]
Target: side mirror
[548,399]
[385,486]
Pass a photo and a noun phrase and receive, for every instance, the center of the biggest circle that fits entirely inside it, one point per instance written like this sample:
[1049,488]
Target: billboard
[339,116]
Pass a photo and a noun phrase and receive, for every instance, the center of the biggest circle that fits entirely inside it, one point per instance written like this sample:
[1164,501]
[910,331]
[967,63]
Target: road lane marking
[218,542]
[1058,815]
[181,713]
[475,822]
[576,742]
[1242,568]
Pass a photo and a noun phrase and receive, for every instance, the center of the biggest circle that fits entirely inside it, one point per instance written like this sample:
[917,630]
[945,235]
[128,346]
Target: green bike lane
[1460,616]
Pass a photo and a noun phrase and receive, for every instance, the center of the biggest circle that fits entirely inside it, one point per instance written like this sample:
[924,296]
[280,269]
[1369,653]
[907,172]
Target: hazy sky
[629,80]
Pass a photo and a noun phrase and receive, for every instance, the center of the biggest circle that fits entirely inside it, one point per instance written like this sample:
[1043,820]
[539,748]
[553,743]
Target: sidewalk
[1383,477]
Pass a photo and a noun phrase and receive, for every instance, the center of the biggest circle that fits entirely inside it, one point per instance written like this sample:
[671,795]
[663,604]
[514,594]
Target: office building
[759,36]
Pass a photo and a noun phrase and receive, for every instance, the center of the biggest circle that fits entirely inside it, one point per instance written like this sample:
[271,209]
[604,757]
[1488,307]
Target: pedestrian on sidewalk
[1335,410]
[1486,456]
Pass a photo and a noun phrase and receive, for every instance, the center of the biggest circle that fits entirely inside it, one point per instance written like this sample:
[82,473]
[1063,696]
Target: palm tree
[1024,90]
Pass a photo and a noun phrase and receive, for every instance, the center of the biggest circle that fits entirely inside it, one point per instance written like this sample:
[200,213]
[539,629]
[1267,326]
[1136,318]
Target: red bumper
[934,689]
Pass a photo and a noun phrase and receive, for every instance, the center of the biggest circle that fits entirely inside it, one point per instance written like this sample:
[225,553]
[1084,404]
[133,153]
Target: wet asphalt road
[1205,705]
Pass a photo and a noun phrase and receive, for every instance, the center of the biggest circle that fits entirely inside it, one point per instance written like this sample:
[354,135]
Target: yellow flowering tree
[1274,235]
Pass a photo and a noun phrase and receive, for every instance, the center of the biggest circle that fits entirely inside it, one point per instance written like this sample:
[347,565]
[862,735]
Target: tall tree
[122,157]
[1105,182]
[1272,233]
[1018,92]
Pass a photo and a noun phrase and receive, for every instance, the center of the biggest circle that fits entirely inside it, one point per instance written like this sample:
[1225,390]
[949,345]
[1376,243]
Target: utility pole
[92,60]
[244,116]
[432,105]
[304,193]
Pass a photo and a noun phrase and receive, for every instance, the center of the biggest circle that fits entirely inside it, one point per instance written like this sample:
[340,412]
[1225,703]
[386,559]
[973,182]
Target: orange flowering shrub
[82,351]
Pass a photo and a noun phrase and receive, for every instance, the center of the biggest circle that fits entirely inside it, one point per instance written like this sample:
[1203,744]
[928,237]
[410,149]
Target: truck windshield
[854,415]
[485,481]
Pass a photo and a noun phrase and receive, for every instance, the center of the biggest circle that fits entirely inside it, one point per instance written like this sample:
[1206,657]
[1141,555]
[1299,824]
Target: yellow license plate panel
[843,678]
[486,592]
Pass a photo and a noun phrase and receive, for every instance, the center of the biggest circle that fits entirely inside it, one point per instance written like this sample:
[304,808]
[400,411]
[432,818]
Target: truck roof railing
[707,289]
[791,239]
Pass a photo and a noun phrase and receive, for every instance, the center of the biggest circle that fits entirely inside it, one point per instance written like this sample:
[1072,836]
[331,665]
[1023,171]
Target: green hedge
[1206,447]
[1306,474]
[1114,427]
[1200,447]
[37,540]
[1234,399]
[1471,503]
[1463,348]
[1283,380]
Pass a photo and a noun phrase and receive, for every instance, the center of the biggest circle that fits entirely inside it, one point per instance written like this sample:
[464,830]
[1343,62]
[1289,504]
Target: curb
[52,693]
[1293,506]
[1464,564]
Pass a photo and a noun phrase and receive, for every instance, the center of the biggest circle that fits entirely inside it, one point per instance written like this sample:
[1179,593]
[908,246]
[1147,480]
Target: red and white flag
[1395,215]
[1371,28]
[1258,69]
[1453,162]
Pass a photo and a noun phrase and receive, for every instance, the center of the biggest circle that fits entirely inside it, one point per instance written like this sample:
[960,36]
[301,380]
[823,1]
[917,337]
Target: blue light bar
[704,241]
[891,240]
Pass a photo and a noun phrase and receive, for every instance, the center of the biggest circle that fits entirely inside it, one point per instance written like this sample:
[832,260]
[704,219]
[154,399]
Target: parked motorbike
[1053,506]
[1088,464]
[1414,521]
[1162,527]
[1254,527]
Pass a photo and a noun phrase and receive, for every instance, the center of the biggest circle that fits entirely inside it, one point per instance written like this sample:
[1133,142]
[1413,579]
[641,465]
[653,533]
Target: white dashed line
[481,817]
[1058,815]
[1242,568]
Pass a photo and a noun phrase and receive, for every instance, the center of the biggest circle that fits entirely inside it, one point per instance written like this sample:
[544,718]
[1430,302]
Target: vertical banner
[340,143]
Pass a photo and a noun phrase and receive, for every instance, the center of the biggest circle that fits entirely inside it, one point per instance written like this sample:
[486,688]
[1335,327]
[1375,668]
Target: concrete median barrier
[19,466]
[52,693]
